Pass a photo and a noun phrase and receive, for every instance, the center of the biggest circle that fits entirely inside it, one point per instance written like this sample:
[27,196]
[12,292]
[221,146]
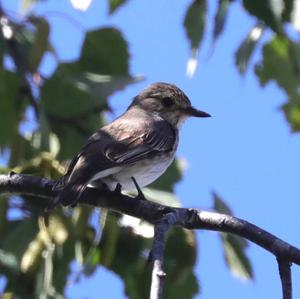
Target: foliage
[69,105]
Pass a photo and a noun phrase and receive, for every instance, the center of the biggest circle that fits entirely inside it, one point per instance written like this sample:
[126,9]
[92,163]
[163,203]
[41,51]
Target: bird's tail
[70,194]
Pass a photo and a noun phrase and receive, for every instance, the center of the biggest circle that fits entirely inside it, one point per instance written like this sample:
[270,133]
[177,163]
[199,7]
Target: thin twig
[284,268]
[157,254]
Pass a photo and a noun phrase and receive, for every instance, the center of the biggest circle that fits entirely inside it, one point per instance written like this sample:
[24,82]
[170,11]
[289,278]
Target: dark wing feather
[160,137]
[114,145]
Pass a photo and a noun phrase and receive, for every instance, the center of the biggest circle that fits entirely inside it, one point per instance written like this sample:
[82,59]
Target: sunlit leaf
[247,47]
[33,254]
[192,63]
[82,5]
[43,164]
[194,24]
[162,197]
[294,14]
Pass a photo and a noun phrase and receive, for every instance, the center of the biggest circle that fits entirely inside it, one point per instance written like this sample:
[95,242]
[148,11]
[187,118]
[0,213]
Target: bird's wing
[142,143]
[113,146]
[121,144]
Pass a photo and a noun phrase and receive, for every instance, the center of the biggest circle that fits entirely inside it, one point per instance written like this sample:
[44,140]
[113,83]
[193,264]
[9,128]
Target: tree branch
[164,217]
[284,268]
[157,253]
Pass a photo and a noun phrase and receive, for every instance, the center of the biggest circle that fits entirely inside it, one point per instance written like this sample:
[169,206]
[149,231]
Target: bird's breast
[145,172]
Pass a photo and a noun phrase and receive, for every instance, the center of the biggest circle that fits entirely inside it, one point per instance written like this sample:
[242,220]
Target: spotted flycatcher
[139,144]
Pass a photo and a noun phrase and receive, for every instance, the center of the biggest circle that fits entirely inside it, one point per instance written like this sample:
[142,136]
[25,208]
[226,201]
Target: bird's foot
[140,195]
[118,189]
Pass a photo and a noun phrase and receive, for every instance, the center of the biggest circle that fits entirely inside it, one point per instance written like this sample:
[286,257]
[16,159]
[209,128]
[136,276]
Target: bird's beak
[191,111]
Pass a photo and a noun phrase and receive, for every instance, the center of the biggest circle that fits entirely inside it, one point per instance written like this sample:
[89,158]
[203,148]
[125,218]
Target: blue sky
[245,152]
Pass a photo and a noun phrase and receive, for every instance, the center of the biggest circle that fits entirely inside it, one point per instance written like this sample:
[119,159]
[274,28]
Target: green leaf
[114,4]
[70,114]
[287,14]
[21,233]
[91,262]
[109,240]
[9,261]
[28,43]
[220,206]
[292,112]
[19,46]
[161,197]
[181,254]
[22,150]
[235,257]
[220,18]
[77,92]
[10,106]
[102,86]
[281,63]
[40,44]
[4,170]
[104,52]
[130,262]
[247,47]
[276,65]
[194,22]
[233,246]
[270,12]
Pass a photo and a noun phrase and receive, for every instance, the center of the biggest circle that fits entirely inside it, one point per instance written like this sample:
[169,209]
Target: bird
[134,149]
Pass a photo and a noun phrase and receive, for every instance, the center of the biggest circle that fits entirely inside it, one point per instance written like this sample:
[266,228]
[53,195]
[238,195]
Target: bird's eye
[168,102]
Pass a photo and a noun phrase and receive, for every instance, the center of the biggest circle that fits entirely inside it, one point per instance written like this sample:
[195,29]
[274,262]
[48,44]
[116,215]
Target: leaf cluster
[64,108]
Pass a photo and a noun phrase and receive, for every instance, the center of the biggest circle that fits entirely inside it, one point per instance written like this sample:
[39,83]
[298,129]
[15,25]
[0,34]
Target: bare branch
[164,217]
[284,268]
[157,253]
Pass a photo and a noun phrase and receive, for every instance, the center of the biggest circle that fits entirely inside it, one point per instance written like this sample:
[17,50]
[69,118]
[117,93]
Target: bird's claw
[118,189]
[140,195]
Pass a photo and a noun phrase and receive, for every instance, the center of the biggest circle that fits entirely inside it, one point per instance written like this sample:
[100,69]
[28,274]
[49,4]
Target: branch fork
[164,217]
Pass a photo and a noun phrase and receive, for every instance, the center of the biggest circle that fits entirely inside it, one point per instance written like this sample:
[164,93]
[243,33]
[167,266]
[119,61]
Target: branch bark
[285,273]
[164,217]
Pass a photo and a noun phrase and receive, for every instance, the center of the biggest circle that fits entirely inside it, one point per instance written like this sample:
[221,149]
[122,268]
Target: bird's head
[167,101]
